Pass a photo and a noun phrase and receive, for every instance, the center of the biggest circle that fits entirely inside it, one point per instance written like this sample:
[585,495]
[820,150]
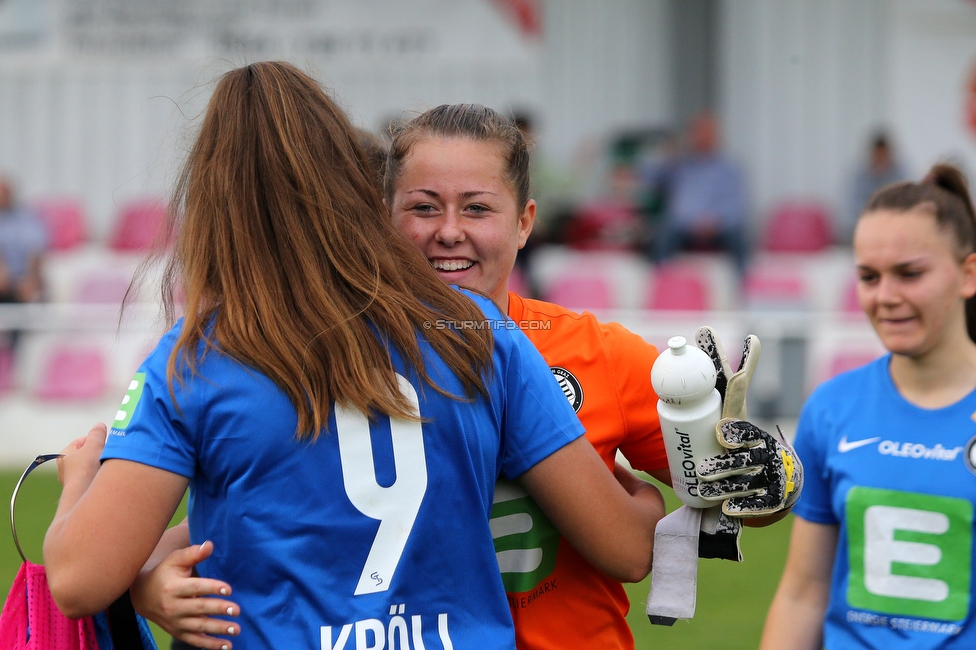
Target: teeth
[453,265]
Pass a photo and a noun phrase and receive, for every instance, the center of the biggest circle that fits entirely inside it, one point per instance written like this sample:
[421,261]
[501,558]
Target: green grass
[732,597]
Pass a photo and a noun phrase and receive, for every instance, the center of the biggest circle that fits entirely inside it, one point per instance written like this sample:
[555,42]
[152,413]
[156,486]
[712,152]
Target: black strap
[122,624]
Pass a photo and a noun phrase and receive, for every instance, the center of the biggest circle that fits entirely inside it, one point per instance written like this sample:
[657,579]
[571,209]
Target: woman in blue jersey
[458,188]
[882,552]
[339,414]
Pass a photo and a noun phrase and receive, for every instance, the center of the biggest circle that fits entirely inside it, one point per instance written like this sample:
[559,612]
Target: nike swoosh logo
[843,446]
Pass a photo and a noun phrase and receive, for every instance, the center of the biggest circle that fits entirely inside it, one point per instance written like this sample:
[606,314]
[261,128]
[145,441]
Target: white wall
[932,59]
[805,82]
[604,65]
[96,95]
[93,106]
[803,85]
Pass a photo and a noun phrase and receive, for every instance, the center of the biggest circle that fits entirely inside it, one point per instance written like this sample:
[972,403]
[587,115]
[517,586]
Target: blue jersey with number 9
[374,536]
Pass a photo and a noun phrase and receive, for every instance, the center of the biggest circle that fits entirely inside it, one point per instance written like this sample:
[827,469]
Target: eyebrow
[899,267]
[465,195]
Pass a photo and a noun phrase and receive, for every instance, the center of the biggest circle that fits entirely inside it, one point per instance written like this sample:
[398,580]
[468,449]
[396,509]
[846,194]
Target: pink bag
[32,621]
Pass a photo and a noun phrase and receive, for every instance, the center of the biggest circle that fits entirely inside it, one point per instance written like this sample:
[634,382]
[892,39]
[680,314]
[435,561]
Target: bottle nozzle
[678,345]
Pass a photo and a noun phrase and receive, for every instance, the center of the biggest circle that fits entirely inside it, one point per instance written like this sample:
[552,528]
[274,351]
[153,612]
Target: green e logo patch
[526,542]
[128,406]
[909,553]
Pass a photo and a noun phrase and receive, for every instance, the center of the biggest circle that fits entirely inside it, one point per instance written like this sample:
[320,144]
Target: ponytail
[945,193]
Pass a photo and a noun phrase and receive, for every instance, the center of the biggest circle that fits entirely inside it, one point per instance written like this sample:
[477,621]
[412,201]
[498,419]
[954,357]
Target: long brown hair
[471,121]
[283,243]
[945,194]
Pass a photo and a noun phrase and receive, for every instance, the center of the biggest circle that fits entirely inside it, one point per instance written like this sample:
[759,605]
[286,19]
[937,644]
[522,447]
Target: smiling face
[912,285]
[453,200]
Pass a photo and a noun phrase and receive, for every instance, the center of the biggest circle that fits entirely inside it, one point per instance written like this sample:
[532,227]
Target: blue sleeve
[811,448]
[149,428]
[538,419]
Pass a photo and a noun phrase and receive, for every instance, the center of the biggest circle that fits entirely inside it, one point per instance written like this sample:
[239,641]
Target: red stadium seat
[65,221]
[138,225]
[603,225]
[798,226]
[72,373]
[679,288]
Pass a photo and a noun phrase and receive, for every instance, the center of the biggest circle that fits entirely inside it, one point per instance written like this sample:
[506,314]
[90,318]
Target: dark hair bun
[949,178]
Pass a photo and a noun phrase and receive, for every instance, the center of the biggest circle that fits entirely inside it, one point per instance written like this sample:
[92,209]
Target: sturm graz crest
[970,456]
[570,385]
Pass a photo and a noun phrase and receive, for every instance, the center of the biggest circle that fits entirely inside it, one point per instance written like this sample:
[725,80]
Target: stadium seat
[678,288]
[846,360]
[775,287]
[798,226]
[102,288]
[581,292]
[137,225]
[851,304]
[72,373]
[65,221]
[604,225]
[6,370]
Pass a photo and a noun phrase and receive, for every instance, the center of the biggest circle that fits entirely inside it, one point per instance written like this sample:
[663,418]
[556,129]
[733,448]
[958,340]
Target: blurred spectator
[704,197]
[882,169]
[23,241]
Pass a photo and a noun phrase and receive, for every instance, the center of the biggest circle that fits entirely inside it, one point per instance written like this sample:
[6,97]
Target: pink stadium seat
[581,292]
[850,304]
[848,360]
[98,289]
[779,289]
[138,224]
[65,221]
[6,370]
[798,226]
[72,373]
[677,288]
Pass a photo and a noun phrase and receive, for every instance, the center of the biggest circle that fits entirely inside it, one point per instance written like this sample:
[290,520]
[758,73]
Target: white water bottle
[689,408]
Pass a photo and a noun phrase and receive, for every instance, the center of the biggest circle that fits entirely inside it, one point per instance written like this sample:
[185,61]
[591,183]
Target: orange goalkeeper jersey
[558,600]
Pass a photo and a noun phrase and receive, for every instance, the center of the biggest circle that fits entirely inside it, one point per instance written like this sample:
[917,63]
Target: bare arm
[795,618]
[87,566]
[613,530]
[174,539]
[646,496]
